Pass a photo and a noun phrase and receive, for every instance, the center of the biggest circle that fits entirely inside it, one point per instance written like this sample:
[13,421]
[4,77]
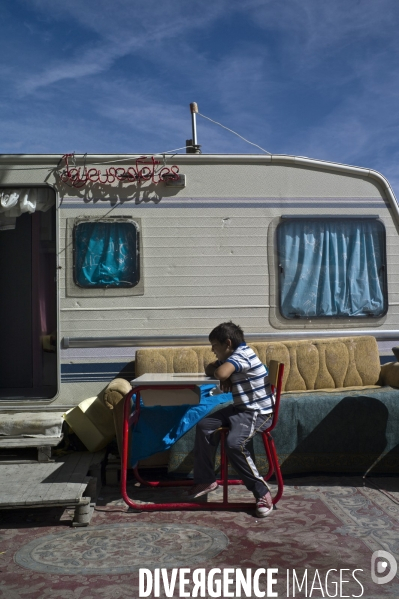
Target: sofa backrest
[329,363]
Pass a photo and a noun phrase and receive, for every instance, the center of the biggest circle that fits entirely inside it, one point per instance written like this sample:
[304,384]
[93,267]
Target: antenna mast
[192,145]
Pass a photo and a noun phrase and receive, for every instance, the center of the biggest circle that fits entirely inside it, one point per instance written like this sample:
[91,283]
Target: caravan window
[106,253]
[332,267]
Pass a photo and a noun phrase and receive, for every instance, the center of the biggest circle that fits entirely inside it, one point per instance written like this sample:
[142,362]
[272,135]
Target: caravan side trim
[163,340]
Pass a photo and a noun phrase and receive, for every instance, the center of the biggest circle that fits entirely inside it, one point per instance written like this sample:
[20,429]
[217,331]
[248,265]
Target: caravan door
[28,294]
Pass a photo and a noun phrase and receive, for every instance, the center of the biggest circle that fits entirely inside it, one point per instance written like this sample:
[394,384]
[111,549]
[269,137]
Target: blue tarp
[159,427]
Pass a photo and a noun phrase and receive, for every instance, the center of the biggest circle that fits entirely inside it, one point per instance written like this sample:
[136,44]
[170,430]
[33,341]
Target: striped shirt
[251,387]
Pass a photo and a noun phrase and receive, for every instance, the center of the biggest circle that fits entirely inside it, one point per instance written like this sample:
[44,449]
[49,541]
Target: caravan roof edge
[215,159]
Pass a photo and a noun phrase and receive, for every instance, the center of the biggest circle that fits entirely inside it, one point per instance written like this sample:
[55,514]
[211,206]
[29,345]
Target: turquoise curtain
[333,267]
[106,254]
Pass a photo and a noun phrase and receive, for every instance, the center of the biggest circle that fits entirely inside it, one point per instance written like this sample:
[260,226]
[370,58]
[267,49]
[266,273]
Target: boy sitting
[240,371]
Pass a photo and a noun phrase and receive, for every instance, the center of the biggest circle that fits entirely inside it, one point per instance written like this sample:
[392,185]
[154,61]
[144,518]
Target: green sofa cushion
[325,432]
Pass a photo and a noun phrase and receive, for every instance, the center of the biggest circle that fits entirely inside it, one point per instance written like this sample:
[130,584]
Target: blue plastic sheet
[159,427]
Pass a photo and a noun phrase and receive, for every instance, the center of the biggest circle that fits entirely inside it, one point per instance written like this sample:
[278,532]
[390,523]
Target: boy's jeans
[243,425]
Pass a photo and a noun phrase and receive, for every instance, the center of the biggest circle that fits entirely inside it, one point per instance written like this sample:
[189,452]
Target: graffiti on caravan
[145,169]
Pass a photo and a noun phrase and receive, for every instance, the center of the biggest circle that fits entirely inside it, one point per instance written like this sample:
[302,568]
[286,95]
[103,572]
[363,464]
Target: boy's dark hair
[228,330]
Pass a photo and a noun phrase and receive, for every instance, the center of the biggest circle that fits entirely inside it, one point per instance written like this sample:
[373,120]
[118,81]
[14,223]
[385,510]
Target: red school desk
[168,381]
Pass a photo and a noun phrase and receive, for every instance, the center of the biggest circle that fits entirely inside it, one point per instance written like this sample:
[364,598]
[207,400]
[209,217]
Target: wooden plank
[73,476]
[61,483]
[58,487]
[14,442]
[77,476]
[65,502]
[36,474]
[42,489]
[40,505]
[18,482]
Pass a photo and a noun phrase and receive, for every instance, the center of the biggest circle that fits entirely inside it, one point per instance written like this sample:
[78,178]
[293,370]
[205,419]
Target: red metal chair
[276,371]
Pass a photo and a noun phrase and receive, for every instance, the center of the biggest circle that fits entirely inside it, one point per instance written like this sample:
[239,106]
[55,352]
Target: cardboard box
[92,422]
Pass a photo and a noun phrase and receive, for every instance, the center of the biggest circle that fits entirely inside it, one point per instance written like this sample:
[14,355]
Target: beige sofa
[319,374]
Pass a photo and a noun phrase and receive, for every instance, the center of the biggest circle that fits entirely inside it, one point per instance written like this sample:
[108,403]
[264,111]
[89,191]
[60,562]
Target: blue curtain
[106,254]
[331,267]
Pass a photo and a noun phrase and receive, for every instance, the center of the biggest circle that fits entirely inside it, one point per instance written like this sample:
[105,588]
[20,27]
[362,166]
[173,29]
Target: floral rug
[319,543]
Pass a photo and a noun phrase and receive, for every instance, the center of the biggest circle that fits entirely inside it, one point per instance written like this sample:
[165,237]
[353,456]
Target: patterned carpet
[320,524]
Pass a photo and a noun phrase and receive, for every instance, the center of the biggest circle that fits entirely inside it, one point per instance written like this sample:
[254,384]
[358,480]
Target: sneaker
[264,506]
[201,489]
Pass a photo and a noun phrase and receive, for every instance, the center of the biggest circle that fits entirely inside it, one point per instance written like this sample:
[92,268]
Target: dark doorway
[28,308]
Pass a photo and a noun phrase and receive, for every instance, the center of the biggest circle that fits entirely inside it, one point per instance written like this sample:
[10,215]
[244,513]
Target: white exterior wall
[208,250]
[208,257]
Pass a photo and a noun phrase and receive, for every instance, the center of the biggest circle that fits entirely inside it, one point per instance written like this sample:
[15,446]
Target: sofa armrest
[389,375]
[115,392]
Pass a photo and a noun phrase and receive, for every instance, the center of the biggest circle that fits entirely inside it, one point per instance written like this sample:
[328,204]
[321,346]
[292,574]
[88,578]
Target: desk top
[177,378]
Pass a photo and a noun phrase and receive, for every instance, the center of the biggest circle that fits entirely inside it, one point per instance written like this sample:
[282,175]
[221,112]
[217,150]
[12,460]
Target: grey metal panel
[177,340]
[198,203]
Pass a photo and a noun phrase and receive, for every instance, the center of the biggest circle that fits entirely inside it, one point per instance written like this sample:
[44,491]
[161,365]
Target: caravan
[104,254]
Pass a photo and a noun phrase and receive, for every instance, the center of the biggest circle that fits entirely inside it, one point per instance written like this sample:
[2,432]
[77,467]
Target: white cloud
[297,77]
[122,29]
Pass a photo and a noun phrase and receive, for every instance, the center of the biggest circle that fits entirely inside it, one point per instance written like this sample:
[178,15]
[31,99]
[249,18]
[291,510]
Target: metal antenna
[192,145]
[194,110]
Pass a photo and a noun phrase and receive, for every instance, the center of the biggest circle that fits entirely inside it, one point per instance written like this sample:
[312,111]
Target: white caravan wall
[208,251]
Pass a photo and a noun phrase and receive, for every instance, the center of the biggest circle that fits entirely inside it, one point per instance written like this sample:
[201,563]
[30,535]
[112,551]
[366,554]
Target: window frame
[73,288]
[331,317]
[111,220]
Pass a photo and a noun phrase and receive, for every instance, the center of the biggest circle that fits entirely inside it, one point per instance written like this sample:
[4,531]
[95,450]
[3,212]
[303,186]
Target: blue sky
[304,77]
